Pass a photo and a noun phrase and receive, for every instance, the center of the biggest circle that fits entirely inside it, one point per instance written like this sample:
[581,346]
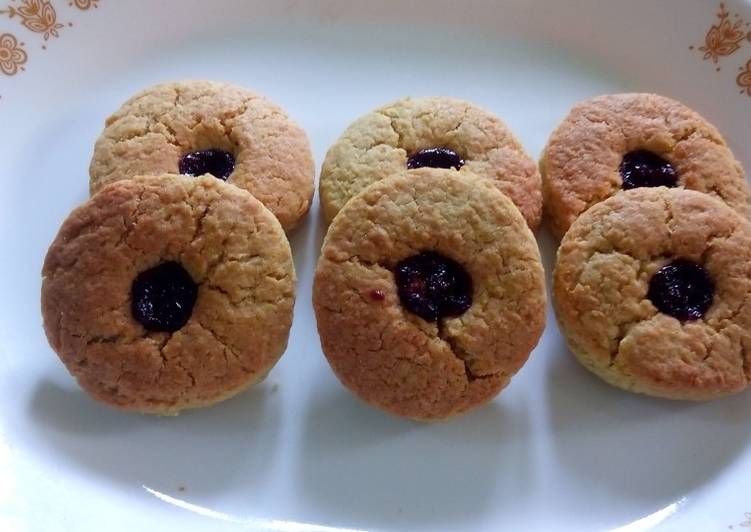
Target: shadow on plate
[365,468]
[638,448]
[204,451]
[306,239]
[548,246]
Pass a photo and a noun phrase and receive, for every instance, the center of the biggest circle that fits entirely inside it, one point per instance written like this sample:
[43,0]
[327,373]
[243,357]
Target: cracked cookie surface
[581,162]
[601,285]
[232,247]
[381,143]
[153,130]
[393,358]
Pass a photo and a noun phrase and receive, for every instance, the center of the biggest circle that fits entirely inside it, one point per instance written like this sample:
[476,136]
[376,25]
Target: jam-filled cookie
[652,289]
[202,127]
[623,141]
[166,293]
[429,293]
[429,132]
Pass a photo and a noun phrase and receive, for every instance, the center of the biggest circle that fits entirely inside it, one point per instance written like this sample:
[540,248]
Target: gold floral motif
[38,16]
[725,37]
[12,55]
[744,82]
[83,5]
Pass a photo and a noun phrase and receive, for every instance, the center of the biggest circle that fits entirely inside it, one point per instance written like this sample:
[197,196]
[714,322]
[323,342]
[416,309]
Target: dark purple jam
[642,168]
[435,158]
[681,289]
[218,163]
[163,297]
[433,286]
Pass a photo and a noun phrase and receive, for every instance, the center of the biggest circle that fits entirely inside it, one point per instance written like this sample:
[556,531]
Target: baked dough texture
[396,360]
[379,144]
[580,164]
[154,129]
[601,281]
[234,249]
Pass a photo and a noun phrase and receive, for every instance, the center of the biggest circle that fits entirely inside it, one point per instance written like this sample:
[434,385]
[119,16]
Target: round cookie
[429,293]
[652,290]
[197,127]
[621,141]
[438,132]
[166,293]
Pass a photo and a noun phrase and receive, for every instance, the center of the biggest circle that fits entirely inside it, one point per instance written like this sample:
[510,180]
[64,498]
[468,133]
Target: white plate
[557,450]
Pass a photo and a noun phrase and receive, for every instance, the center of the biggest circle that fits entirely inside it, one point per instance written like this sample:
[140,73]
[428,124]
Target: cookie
[625,141]
[652,289]
[429,132]
[197,127]
[166,293]
[429,293]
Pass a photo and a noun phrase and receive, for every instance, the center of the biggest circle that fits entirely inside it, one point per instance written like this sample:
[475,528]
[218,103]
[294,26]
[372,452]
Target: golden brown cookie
[433,132]
[166,293]
[623,141]
[197,127]
[652,289]
[429,293]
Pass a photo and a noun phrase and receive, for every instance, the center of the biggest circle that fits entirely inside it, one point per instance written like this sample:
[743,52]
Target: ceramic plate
[557,450]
